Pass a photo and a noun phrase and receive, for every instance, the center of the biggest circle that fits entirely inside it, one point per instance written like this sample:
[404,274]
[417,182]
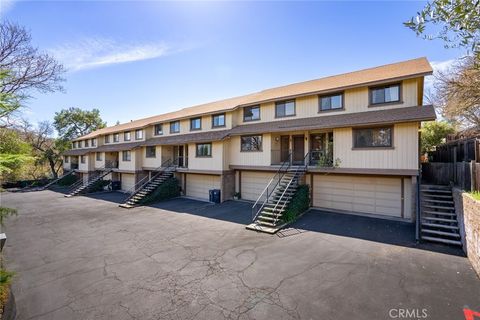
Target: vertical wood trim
[240,182]
[311,190]
[185,184]
[403,198]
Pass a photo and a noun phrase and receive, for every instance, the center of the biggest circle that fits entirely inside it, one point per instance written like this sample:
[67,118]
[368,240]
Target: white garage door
[376,195]
[253,183]
[198,185]
[128,181]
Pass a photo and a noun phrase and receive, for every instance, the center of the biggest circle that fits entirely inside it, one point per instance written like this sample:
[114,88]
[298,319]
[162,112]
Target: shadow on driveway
[372,229]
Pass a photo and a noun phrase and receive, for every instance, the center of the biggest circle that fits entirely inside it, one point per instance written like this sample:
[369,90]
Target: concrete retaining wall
[468,212]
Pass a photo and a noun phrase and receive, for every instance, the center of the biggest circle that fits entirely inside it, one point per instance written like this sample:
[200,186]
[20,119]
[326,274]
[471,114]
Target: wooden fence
[465,175]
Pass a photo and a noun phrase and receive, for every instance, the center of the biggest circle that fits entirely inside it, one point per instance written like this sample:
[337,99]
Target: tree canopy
[456,22]
[72,123]
[434,133]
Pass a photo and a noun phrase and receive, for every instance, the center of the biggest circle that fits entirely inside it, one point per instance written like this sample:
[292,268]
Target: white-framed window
[139,134]
[116,137]
[127,136]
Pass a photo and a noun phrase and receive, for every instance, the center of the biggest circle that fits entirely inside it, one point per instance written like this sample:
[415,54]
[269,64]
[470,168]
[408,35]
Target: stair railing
[58,179]
[276,210]
[271,186]
[98,171]
[165,166]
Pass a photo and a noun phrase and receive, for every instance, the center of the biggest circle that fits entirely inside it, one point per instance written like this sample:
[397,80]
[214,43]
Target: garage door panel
[253,184]
[376,195]
[198,185]
[128,181]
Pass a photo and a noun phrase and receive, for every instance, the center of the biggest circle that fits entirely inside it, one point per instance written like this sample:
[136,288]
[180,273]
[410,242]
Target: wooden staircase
[268,216]
[81,187]
[439,221]
[145,187]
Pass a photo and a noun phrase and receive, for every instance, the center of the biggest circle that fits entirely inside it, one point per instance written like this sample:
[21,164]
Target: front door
[284,148]
[298,149]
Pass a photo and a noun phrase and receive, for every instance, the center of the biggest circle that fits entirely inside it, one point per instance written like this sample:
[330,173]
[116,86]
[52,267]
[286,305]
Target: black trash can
[116,185]
[214,195]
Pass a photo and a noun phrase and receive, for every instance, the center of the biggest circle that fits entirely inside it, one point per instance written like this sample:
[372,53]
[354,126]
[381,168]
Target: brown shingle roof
[186,138]
[119,147]
[423,113]
[395,71]
[77,152]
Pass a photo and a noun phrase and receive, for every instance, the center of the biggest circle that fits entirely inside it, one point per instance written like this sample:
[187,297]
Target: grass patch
[5,279]
[167,190]
[299,204]
[475,195]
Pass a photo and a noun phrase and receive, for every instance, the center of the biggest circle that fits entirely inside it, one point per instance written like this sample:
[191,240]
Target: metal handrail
[80,182]
[268,194]
[163,167]
[275,211]
[58,179]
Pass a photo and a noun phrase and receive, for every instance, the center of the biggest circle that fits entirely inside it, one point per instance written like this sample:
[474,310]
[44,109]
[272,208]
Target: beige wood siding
[99,164]
[356,100]
[134,164]
[128,181]
[198,185]
[261,158]
[253,183]
[215,162]
[151,162]
[360,194]
[404,155]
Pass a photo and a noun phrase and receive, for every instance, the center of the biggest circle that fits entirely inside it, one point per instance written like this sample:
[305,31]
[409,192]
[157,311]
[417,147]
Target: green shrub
[5,212]
[98,185]
[475,195]
[299,204]
[5,276]
[167,190]
[68,180]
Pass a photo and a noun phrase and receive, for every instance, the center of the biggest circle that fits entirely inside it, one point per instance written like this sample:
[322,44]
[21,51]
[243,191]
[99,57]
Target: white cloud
[5,6]
[437,66]
[90,53]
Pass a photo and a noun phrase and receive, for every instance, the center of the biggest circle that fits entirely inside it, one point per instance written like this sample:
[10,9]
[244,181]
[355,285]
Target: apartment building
[356,134]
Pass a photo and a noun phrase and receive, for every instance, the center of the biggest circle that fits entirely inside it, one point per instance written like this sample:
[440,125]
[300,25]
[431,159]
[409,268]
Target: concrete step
[449,208]
[436,191]
[440,219]
[442,233]
[441,196]
[438,213]
[446,241]
[435,186]
[437,225]
[272,214]
[126,206]
[438,201]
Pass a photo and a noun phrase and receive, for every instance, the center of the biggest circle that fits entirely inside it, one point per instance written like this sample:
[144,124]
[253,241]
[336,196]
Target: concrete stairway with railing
[439,221]
[81,187]
[269,216]
[51,183]
[147,188]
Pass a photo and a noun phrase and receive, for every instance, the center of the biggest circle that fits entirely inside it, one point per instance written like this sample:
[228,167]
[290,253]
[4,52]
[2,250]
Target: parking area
[86,258]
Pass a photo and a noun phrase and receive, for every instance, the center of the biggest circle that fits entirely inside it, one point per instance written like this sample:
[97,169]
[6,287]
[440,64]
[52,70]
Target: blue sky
[136,59]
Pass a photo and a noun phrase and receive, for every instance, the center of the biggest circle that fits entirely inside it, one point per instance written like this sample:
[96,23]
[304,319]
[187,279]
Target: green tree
[456,22]
[72,123]
[434,133]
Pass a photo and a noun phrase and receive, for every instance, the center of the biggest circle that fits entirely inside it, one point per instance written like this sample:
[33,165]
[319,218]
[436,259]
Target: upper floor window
[65,159]
[285,109]
[116,137]
[196,124]
[331,102]
[158,129]
[82,159]
[204,150]
[99,156]
[150,152]
[126,155]
[94,142]
[139,134]
[251,113]
[175,127]
[385,94]
[251,143]
[74,144]
[218,120]
[379,137]
[85,143]
[107,138]
[127,136]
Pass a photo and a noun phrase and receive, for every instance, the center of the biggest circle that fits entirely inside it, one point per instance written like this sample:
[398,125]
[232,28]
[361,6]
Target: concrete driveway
[86,258]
